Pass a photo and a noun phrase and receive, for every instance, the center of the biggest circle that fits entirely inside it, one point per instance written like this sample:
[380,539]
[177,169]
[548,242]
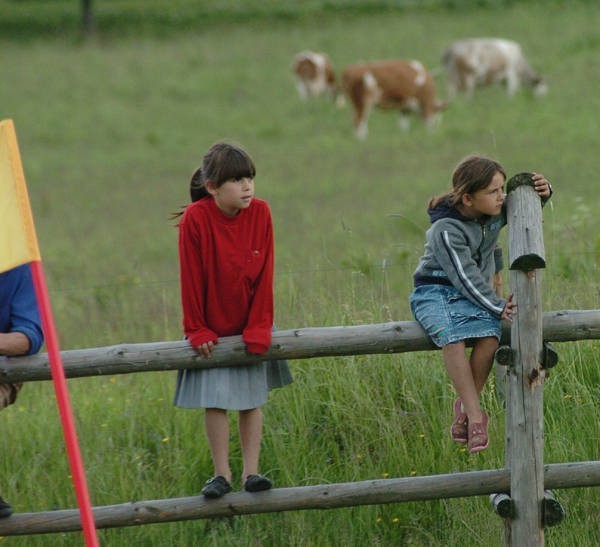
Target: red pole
[64,406]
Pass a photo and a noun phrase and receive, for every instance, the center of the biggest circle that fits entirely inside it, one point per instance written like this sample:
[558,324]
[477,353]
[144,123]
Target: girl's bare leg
[459,371]
[482,359]
[250,426]
[217,432]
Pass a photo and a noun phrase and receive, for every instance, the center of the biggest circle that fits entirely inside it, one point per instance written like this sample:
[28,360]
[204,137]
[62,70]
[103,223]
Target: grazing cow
[314,75]
[484,61]
[392,84]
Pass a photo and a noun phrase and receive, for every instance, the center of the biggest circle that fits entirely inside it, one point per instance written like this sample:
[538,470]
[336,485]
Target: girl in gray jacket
[453,298]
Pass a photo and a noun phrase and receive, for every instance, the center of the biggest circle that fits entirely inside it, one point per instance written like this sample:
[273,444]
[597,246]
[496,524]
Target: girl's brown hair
[473,173]
[225,161]
[222,162]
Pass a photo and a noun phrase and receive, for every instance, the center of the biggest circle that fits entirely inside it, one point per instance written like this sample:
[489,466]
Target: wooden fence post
[524,390]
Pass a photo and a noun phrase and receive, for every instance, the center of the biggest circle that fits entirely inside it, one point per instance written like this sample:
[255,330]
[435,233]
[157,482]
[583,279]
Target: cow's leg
[469,85]
[368,96]
[453,84]
[361,120]
[451,90]
[340,100]
[360,111]
[431,115]
[512,82]
[302,91]
[404,121]
[433,120]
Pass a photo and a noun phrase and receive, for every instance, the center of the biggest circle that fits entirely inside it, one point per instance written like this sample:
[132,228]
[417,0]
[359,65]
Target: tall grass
[110,131]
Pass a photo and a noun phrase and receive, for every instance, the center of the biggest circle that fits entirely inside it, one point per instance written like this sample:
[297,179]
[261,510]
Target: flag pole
[64,406]
[18,245]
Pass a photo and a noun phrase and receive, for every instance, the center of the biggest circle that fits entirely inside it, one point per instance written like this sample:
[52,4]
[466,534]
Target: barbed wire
[382,266]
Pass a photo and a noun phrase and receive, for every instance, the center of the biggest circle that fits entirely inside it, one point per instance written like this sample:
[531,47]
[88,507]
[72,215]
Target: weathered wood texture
[524,414]
[525,380]
[328,496]
[524,217]
[397,337]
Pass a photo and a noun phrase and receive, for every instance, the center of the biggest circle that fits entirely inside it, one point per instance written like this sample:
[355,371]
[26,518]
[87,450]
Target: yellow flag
[18,240]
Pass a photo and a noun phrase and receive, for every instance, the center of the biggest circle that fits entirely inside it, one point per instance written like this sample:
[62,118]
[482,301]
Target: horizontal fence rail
[303,343]
[328,496]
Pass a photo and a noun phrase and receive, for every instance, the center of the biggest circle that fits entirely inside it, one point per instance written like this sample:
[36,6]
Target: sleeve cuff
[201,337]
[257,340]
[257,349]
[35,340]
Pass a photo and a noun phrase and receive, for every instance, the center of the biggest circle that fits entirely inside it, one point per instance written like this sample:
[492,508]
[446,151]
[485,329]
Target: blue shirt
[18,306]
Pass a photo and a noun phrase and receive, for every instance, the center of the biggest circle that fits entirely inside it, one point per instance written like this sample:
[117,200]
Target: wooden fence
[304,343]
[384,338]
[324,496]
[525,479]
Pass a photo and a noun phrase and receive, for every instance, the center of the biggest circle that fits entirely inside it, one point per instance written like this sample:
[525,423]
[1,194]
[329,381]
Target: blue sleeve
[24,312]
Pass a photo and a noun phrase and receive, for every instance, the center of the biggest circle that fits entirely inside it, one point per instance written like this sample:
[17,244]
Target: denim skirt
[448,317]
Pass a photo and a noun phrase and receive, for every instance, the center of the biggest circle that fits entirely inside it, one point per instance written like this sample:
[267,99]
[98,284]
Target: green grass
[110,131]
[30,19]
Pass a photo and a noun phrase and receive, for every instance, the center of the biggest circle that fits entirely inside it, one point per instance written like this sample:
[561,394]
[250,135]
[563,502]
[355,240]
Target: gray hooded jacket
[459,251]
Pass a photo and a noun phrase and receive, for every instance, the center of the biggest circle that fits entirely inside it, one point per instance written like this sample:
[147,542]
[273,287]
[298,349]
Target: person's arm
[454,255]
[191,273]
[24,335]
[14,343]
[257,333]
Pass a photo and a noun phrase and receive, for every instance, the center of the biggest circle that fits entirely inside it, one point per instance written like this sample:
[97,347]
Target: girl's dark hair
[197,190]
[222,162]
[473,173]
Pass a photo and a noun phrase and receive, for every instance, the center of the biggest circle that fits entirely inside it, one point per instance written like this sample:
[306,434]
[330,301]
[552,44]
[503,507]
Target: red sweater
[226,271]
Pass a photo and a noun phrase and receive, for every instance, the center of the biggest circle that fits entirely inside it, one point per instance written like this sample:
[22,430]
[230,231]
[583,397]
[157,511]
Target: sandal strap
[477,429]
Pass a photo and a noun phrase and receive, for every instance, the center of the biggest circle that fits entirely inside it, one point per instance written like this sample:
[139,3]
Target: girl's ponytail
[197,191]
[197,188]
[435,201]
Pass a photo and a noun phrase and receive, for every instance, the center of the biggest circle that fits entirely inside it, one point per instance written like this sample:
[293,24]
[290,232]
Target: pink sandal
[478,435]
[459,431]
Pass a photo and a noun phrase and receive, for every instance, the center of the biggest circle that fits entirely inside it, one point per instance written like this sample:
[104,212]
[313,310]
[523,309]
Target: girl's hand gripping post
[510,309]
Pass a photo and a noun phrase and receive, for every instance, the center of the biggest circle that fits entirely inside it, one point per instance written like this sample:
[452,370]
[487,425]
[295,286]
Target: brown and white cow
[483,61]
[391,84]
[314,75]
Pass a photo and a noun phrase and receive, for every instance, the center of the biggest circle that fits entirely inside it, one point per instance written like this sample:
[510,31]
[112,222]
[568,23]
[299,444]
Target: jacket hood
[445,209]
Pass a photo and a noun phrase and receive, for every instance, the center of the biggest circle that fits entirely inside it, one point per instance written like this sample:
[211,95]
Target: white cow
[483,61]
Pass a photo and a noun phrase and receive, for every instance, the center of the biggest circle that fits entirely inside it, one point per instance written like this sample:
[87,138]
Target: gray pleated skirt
[230,388]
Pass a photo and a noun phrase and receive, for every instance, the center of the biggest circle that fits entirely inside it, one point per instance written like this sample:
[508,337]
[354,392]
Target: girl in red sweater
[226,272]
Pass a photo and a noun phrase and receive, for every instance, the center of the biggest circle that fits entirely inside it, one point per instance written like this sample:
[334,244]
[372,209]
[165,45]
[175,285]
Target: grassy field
[110,131]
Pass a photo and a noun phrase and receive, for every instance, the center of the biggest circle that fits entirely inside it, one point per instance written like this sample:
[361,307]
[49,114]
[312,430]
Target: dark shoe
[216,487]
[257,483]
[458,431]
[5,509]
